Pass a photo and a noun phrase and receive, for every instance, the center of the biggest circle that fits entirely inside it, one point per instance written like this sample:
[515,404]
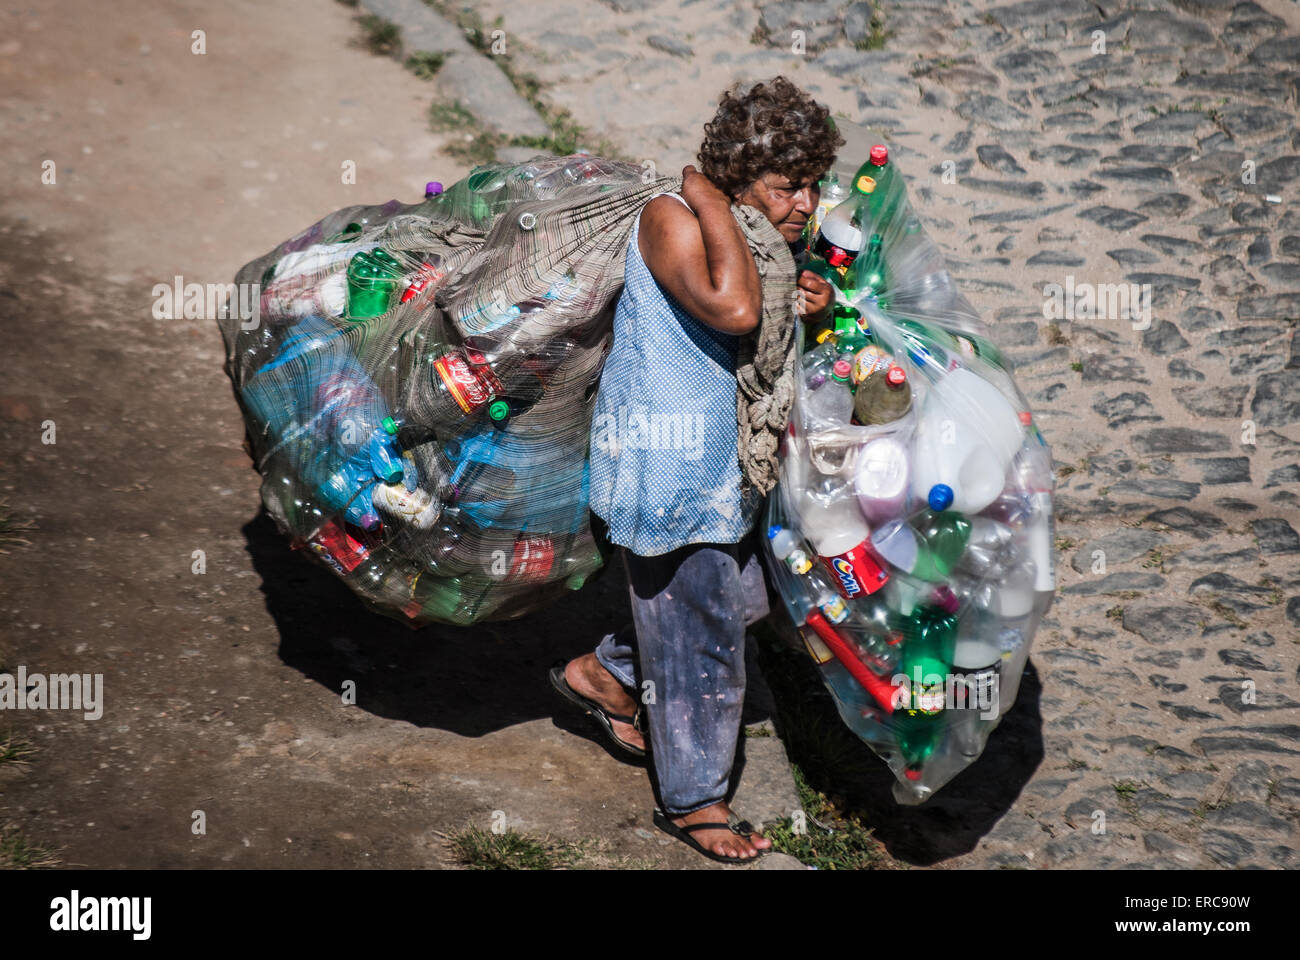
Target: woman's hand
[816,294]
[699,191]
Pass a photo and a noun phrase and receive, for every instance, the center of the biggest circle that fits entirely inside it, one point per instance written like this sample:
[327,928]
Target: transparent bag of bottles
[911,534]
[417,384]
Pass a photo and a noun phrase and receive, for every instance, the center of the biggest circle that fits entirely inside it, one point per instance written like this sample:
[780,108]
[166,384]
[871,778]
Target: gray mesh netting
[418,385]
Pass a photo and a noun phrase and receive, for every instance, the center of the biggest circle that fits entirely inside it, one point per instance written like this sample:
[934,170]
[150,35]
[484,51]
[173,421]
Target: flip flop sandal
[599,713]
[734,823]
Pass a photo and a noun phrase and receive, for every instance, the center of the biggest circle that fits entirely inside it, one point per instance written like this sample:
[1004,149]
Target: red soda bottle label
[466,386]
[337,548]
[856,572]
[533,558]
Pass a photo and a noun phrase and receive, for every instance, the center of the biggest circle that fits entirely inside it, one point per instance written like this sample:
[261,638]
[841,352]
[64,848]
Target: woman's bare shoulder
[667,208]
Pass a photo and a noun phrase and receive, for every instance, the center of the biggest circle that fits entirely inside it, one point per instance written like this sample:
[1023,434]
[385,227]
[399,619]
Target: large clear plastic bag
[418,385]
[911,534]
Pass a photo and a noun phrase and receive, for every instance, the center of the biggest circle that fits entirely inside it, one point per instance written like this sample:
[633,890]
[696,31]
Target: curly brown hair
[772,127]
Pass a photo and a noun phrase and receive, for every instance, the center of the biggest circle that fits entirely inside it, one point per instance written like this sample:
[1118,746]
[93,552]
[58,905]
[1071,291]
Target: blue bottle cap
[940,497]
[773,531]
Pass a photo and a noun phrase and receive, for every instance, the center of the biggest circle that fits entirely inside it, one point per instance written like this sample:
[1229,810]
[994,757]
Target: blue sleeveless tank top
[664,468]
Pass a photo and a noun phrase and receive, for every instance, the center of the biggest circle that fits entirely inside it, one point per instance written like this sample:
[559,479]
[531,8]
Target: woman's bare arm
[702,258]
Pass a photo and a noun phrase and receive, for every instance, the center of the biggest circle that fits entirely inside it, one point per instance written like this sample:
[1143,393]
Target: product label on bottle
[835,610]
[980,688]
[815,647]
[337,548]
[856,572]
[533,558]
[466,386]
[798,562]
[870,359]
[929,698]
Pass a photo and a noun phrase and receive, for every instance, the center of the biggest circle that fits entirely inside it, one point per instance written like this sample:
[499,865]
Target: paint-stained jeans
[690,609]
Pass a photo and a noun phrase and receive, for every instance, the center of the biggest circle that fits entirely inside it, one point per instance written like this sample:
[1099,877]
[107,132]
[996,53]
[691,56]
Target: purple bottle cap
[945,599]
[432,188]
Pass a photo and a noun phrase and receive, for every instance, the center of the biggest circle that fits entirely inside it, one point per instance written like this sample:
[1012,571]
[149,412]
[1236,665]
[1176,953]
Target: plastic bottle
[868,278]
[832,401]
[883,397]
[839,239]
[977,657]
[818,364]
[425,280]
[788,547]
[966,437]
[839,534]
[880,480]
[349,488]
[1033,472]
[929,637]
[372,281]
[833,194]
[849,336]
[930,544]
[338,548]
[881,690]
[879,182]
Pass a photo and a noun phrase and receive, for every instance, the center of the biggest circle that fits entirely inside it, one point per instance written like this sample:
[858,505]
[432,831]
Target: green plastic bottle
[849,337]
[372,282]
[929,637]
[879,183]
[868,270]
[929,545]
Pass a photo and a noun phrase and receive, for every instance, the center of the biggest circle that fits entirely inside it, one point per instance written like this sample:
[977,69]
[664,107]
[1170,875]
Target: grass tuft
[483,850]
[425,65]
[379,36]
[15,751]
[16,853]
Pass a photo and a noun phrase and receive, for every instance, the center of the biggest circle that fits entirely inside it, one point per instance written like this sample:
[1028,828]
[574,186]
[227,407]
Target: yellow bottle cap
[866,184]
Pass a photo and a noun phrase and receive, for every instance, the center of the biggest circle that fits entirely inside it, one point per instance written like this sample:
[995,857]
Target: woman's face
[786,205]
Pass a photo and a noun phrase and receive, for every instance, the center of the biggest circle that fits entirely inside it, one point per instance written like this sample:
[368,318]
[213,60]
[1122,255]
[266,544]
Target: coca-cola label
[465,386]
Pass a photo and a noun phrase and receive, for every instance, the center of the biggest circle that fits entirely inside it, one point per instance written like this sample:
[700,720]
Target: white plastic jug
[966,437]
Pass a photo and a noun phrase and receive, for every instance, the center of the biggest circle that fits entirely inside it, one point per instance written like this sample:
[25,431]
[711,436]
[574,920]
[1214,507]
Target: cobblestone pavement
[1067,142]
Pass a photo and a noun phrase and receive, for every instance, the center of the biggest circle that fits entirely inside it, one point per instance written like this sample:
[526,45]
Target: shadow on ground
[470,681]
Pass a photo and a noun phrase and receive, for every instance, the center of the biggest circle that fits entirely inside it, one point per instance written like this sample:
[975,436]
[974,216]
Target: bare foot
[722,841]
[587,677]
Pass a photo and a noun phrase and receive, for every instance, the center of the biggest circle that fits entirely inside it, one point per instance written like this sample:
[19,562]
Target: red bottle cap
[896,376]
[1026,417]
[879,155]
[841,370]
